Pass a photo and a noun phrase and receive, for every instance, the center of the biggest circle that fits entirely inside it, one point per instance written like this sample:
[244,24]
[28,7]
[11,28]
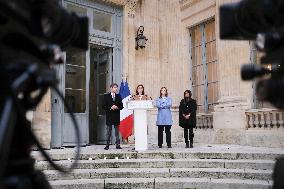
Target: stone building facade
[183,51]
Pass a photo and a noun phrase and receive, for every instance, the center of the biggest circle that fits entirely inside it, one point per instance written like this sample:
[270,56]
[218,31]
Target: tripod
[20,172]
[16,138]
[29,31]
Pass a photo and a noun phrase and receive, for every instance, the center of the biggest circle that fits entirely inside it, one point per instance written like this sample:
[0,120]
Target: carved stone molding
[231,103]
[187,3]
[131,6]
[116,2]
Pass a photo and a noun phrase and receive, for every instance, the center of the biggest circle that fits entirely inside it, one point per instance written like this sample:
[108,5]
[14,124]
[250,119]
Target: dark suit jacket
[112,116]
[185,108]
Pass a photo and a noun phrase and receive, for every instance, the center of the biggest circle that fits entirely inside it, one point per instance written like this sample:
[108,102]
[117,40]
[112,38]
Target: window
[102,21]
[204,66]
[75,72]
[75,80]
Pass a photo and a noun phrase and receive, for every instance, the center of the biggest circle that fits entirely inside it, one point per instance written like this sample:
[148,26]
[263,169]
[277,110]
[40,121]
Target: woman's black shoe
[169,146]
[187,144]
[191,145]
[160,146]
[106,148]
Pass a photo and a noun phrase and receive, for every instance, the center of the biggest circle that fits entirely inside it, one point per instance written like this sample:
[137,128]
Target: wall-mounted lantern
[140,38]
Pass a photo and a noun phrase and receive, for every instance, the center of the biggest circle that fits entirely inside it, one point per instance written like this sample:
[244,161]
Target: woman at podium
[140,94]
[164,117]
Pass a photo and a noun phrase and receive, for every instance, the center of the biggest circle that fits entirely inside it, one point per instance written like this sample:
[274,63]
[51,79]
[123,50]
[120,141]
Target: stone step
[200,183]
[161,172]
[185,154]
[164,163]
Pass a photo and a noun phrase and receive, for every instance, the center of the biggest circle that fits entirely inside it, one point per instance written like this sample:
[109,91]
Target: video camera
[261,21]
[32,34]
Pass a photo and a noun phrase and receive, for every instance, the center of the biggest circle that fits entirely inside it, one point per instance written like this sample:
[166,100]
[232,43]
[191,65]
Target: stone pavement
[178,147]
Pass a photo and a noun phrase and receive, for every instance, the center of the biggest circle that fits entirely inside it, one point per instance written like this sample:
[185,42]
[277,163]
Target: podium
[140,108]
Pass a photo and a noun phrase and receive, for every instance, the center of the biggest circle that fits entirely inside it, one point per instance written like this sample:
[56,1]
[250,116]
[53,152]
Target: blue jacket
[164,116]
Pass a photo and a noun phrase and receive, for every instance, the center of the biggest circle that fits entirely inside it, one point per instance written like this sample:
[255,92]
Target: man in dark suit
[112,104]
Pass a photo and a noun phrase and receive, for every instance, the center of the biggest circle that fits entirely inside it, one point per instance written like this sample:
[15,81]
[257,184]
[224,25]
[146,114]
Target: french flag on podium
[126,116]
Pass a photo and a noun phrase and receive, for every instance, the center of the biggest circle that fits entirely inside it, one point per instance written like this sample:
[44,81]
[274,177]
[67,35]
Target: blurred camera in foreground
[261,21]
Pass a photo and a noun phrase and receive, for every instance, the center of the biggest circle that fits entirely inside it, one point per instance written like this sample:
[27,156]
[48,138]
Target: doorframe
[101,118]
[113,40]
[84,135]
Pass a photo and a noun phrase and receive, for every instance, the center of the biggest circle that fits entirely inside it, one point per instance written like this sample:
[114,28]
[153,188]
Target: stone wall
[164,61]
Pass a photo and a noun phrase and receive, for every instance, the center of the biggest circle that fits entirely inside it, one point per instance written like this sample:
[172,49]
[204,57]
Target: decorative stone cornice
[187,3]
[231,104]
[130,5]
[116,2]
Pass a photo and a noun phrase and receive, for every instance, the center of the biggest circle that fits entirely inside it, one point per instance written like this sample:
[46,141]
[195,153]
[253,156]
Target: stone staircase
[200,167]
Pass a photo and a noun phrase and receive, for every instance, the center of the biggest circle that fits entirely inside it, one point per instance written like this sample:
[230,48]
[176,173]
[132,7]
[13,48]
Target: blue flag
[126,91]
[121,88]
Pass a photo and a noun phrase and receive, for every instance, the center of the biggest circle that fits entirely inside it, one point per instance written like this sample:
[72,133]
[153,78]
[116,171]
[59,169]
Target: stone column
[234,95]
[129,11]
[129,31]
[147,69]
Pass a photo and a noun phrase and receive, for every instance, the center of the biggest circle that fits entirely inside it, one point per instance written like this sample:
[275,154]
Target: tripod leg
[20,172]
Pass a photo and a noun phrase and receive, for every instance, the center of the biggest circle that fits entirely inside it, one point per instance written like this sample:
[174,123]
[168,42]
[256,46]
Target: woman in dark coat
[187,117]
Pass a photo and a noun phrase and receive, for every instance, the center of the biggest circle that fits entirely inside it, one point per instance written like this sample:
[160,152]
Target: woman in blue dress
[164,117]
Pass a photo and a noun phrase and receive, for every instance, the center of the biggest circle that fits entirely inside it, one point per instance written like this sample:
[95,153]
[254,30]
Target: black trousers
[160,134]
[108,134]
[188,134]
